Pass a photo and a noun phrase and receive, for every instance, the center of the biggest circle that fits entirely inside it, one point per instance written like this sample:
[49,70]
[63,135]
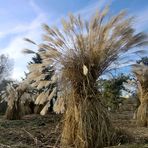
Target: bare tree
[6,67]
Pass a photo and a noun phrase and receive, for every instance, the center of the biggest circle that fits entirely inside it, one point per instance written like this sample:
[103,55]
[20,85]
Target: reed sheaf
[41,77]
[80,52]
[18,98]
[141,73]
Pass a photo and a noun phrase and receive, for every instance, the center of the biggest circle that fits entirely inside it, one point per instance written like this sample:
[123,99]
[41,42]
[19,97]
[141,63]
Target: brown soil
[35,131]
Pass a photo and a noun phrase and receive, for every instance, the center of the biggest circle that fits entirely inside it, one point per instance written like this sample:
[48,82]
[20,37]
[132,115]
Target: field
[35,131]
[32,131]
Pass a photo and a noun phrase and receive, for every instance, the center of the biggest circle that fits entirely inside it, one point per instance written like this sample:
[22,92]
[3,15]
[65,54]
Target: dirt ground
[35,131]
[137,137]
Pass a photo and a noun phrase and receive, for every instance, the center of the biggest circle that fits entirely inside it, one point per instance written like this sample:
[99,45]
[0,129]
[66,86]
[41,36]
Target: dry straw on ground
[81,52]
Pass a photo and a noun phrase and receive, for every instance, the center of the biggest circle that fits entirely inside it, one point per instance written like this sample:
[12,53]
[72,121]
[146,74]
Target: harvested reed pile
[86,123]
[141,72]
[18,98]
[81,52]
[13,111]
[41,77]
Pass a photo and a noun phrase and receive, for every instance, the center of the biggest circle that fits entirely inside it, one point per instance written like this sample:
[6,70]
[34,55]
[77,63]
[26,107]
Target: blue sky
[23,18]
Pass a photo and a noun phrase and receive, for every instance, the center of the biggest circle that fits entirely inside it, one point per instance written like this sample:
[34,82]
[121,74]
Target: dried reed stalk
[18,99]
[86,124]
[14,110]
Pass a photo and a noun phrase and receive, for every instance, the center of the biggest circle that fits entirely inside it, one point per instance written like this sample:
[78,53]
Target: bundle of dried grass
[42,77]
[82,52]
[141,72]
[13,111]
[18,98]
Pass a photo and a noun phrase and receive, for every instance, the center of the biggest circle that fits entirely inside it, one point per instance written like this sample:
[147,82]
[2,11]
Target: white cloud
[14,48]
[32,30]
[18,73]
[23,28]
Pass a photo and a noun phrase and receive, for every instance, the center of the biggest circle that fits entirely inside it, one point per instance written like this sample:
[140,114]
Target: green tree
[112,91]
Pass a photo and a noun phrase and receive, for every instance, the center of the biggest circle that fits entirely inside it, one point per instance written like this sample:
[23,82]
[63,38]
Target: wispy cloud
[31,30]
[35,7]
[89,10]
[23,28]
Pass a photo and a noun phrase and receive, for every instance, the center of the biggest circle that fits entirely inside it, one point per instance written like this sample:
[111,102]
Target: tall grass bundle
[86,123]
[141,72]
[13,111]
[42,77]
[18,97]
[45,83]
[81,52]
